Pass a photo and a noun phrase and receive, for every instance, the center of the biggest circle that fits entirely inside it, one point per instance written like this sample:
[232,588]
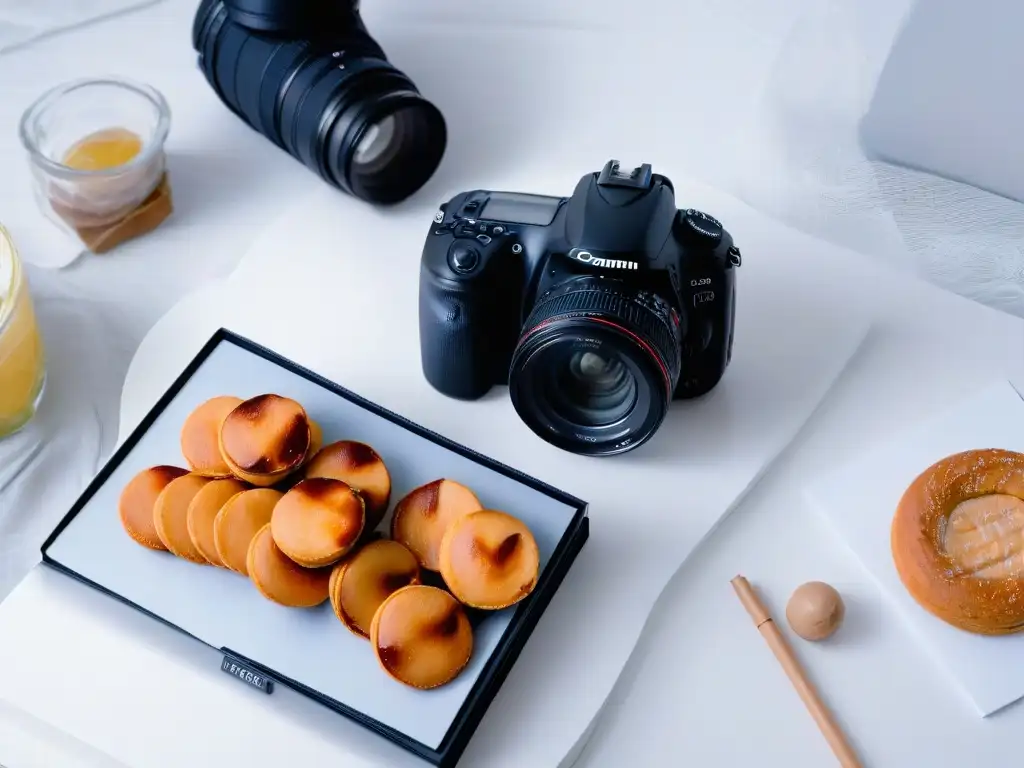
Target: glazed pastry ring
[958,541]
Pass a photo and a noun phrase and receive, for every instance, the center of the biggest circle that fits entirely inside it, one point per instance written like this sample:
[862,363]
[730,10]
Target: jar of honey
[96,149]
[22,360]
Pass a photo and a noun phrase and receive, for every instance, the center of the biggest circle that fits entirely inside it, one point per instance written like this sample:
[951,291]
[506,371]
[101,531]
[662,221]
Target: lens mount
[596,366]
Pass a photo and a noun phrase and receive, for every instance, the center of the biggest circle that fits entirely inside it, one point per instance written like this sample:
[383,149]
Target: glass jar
[22,359]
[84,199]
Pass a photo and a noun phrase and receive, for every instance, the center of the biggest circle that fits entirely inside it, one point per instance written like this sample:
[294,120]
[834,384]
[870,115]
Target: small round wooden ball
[815,610]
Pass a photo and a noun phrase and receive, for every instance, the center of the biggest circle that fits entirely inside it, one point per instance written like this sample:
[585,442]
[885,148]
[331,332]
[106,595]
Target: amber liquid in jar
[103,150]
[102,200]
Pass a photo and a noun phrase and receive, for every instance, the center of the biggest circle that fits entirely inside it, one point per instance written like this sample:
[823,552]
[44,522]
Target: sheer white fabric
[803,163]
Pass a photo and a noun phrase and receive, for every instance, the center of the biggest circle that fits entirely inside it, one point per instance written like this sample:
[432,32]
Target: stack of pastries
[261,496]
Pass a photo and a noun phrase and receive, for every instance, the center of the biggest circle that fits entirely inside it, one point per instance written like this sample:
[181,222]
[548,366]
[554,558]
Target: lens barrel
[324,102]
[596,366]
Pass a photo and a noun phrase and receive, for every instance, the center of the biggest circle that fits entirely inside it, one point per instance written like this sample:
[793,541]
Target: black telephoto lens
[321,88]
[596,366]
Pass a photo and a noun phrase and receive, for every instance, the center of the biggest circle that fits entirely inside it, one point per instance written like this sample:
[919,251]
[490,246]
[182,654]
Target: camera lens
[333,102]
[590,389]
[596,366]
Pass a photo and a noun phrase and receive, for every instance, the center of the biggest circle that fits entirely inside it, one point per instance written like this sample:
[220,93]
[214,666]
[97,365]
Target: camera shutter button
[463,257]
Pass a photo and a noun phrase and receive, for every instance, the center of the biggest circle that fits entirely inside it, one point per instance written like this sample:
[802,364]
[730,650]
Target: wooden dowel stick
[784,653]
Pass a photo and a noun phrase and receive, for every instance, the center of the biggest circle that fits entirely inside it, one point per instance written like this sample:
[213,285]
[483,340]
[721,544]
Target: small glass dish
[86,198]
[22,358]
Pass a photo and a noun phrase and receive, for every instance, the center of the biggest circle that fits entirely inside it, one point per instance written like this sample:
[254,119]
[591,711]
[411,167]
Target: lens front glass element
[586,390]
[595,366]
[591,389]
[395,153]
[379,138]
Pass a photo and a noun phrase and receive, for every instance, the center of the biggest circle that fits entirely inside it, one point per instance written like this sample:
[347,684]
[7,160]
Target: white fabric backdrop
[802,163]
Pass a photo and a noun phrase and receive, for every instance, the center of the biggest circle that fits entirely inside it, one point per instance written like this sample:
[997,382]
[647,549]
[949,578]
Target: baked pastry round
[332,584]
[958,541]
[138,500]
[200,437]
[170,516]
[422,517]
[204,510]
[318,521]
[422,636]
[265,438]
[281,579]
[360,583]
[362,468]
[238,521]
[489,560]
[316,440]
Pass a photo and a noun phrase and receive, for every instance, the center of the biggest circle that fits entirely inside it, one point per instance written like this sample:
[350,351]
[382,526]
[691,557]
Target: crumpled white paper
[46,466]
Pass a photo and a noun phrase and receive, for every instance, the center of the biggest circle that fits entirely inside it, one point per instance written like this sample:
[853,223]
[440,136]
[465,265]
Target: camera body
[615,269]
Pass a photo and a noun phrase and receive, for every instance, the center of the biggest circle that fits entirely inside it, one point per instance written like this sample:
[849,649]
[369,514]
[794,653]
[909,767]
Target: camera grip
[454,323]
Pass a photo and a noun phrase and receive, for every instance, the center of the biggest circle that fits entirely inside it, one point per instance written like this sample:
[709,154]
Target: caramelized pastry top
[318,521]
[266,435]
[489,559]
[279,579]
[422,517]
[362,468]
[422,636]
[368,578]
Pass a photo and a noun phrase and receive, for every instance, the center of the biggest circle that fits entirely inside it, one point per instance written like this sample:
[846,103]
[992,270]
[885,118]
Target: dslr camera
[308,76]
[597,310]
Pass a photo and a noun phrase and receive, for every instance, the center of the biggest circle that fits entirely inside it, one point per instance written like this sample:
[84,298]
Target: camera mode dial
[698,228]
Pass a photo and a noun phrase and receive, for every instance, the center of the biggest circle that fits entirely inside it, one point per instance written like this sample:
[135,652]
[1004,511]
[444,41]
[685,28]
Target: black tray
[72,550]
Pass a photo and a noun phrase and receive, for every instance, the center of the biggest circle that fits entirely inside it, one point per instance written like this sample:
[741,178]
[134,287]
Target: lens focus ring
[646,316]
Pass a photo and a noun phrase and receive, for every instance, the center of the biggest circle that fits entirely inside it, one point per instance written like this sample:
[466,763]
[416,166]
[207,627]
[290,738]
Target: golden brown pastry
[280,579]
[138,499]
[203,511]
[362,468]
[238,522]
[318,521]
[958,541]
[422,636]
[422,517]
[265,438]
[200,437]
[489,560]
[170,516]
[316,440]
[332,585]
[360,583]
